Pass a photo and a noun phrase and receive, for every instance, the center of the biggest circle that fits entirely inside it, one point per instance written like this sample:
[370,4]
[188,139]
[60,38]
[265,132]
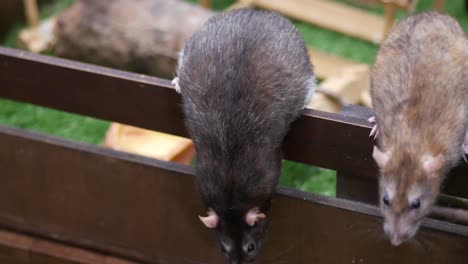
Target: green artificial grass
[294,175]
[52,122]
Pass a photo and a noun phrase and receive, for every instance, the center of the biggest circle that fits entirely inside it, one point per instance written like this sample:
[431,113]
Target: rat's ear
[210,221]
[432,164]
[380,157]
[253,215]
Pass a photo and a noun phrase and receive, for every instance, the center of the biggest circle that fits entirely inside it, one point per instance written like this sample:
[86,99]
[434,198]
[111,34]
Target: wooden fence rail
[335,141]
[146,210]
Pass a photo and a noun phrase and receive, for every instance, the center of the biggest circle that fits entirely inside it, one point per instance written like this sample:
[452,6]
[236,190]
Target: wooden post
[439,5]
[389,10]
[32,12]
[205,3]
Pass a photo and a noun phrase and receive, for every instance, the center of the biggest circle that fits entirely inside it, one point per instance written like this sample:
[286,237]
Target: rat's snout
[397,239]
[397,233]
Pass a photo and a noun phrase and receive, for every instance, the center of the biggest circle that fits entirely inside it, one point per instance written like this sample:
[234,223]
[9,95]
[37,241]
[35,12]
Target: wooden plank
[331,15]
[149,143]
[21,248]
[390,12]
[334,141]
[343,78]
[348,84]
[146,210]
[358,187]
[40,38]
[407,5]
[86,89]
[205,3]
[32,12]
[439,5]
[240,4]
[152,103]
[353,187]
[327,65]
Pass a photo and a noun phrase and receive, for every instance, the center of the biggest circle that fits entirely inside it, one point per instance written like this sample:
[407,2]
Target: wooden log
[143,36]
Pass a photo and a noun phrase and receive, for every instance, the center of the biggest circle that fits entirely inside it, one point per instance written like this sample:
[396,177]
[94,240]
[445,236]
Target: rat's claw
[175,82]
[374,132]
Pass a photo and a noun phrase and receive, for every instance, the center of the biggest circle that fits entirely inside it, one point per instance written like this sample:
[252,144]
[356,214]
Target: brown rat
[244,77]
[419,95]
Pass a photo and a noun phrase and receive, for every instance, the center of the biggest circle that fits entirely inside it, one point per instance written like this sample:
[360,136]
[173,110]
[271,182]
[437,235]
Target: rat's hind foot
[175,82]
[375,131]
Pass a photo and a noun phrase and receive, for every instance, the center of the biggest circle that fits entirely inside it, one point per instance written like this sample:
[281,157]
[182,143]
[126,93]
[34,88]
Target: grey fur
[244,77]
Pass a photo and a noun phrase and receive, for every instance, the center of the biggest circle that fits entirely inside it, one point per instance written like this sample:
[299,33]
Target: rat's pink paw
[175,82]
[375,131]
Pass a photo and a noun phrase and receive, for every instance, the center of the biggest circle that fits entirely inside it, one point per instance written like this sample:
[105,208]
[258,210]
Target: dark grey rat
[419,89]
[244,77]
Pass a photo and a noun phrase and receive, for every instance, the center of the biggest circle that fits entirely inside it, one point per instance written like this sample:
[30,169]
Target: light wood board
[331,15]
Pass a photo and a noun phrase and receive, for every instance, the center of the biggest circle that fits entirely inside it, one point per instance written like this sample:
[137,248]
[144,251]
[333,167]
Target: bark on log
[143,36]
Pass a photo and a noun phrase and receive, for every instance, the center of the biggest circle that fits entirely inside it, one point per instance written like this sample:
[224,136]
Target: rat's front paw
[375,131]
[175,82]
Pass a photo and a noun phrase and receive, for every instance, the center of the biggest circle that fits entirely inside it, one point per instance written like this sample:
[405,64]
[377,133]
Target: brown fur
[419,93]
[418,88]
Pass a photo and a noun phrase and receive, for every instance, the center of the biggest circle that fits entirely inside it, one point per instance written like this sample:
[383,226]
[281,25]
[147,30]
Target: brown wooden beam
[20,248]
[334,141]
[146,210]
[152,103]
